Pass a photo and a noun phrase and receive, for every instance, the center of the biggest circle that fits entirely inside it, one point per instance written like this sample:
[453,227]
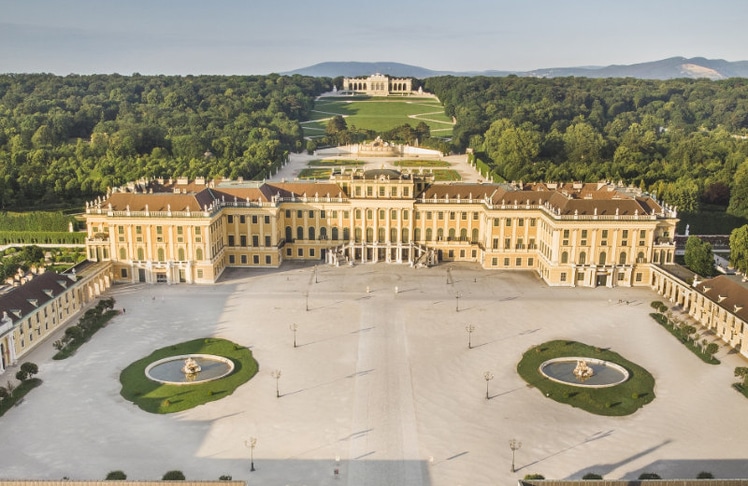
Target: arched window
[381,235]
[141,254]
[582,258]
[393,235]
[475,236]
[622,258]
[451,234]
[311,233]
[406,235]
[161,257]
[358,214]
[640,257]
[440,234]
[299,233]
[180,254]
[346,234]
[603,257]
[289,234]
[323,233]
[335,233]
[122,254]
[417,234]
[463,234]
[565,257]
[199,254]
[357,234]
[369,235]
[429,234]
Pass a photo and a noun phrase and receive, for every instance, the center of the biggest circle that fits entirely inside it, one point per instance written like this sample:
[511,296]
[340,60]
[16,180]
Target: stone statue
[190,367]
[583,372]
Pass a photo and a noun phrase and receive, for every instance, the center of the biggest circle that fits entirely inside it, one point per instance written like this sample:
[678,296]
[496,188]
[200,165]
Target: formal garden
[623,398]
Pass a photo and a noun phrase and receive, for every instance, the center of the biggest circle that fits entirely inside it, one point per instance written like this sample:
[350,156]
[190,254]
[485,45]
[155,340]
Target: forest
[65,139]
[683,140]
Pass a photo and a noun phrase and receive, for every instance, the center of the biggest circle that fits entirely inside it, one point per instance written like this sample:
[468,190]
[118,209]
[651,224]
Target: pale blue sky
[264,36]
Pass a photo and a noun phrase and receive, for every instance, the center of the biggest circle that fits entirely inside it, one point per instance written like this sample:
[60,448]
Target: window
[198,230]
[602,259]
[429,215]
[244,259]
[311,232]
[231,240]
[638,277]
[288,213]
[520,243]
[121,230]
[123,273]
[582,258]
[311,214]
[506,262]
[267,240]
[299,232]
[463,216]
[507,243]
[620,277]
[122,254]
[495,221]
[393,215]
[452,215]
[358,190]
[230,218]
[254,219]
[267,220]
[369,191]
[440,215]
[311,252]
[299,213]
[563,276]
[321,214]
[622,258]
[200,273]
[300,252]
[521,222]
[199,254]
[405,214]
[625,234]
[256,259]
[231,260]
[565,257]
[242,219]
[381,191]
[141,254]
[268,260]
[180,254]
[518,262]
[288,251]
[289,233]
[580,276]
[393,191]
[494,261]
[255,240]
[138,230]
[530,262]
[532,222]
[406,191]
[462,253]
[508,222]
[495,245]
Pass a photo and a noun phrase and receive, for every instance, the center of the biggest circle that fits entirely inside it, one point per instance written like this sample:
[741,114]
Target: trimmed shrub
[591,476]
[116,476]
[173,476]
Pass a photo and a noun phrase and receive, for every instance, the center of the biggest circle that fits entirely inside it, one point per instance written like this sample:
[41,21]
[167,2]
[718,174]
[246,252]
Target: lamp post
[470,328]
[315,274]
[276,374]
[294,327]
[251,443]
[457,302]
[514,445]
[488,376]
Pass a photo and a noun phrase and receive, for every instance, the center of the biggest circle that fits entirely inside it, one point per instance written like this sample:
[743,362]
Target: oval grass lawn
[160,398]
[623,399]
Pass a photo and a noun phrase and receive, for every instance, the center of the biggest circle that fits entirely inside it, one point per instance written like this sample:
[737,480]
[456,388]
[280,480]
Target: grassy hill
[379,114]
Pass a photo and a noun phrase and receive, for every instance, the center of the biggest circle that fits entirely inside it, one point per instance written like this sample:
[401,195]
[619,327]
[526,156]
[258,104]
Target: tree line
[69,138]
[683,139]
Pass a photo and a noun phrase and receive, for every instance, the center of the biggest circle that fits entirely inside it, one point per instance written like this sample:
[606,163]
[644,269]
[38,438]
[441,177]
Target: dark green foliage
[739,248]
[699,257]
[173,476]
[16,394]
[705,475]
[28,370]
[36,221]
[530,477]
[116,475]
[69,138]
[225,477]
[684,333]
[93,319]
[649,475]
[591,476]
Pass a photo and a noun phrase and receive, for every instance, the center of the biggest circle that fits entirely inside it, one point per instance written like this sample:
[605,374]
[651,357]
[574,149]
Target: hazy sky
[264,36]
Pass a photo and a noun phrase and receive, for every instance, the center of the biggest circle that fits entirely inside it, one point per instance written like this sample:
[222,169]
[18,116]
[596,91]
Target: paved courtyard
[381,386]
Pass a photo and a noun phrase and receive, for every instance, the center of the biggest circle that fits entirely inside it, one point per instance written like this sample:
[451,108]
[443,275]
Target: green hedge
[684,338]
[18,393]
[42,237]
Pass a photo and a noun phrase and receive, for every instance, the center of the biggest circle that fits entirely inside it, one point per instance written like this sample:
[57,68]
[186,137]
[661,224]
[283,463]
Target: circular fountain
[189,369]
[584,372]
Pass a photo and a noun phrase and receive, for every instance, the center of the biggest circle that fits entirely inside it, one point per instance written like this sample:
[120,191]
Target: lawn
[422,163]
[623,399]
[379,114]
[315,173]
[156,397]
[335,163]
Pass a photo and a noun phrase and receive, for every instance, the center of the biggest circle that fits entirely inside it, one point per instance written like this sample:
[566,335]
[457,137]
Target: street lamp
[251,443]
[294,327]
[488,376]
[315,274]
[276,374]
[470,328]
[514,445]
[457,302]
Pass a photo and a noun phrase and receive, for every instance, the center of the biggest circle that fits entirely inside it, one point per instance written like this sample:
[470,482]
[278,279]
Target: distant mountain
[674,67]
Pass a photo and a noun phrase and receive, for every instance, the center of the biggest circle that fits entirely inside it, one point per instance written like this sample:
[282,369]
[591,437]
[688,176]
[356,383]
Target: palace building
[576,234]
[378,85]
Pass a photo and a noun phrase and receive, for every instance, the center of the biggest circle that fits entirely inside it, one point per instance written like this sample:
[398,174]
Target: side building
[569,234]
[378,85]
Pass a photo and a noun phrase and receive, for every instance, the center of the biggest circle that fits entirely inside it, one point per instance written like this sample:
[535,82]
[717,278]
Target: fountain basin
[169,371]
[605,373]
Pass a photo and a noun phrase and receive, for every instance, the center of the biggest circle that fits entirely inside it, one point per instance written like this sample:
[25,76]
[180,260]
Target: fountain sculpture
[582,371]
[190,367]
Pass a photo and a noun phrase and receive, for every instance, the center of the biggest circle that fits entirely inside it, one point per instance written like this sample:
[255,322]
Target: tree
[591,476]
[742,372]
[739,249]
[699,257]
[739,194]
[511,147]
[649,475]
[174,476]
[27,371]
[705,475]
[116,476]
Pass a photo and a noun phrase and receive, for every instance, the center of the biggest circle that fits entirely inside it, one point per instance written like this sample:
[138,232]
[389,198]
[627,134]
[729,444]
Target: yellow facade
[571,235]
